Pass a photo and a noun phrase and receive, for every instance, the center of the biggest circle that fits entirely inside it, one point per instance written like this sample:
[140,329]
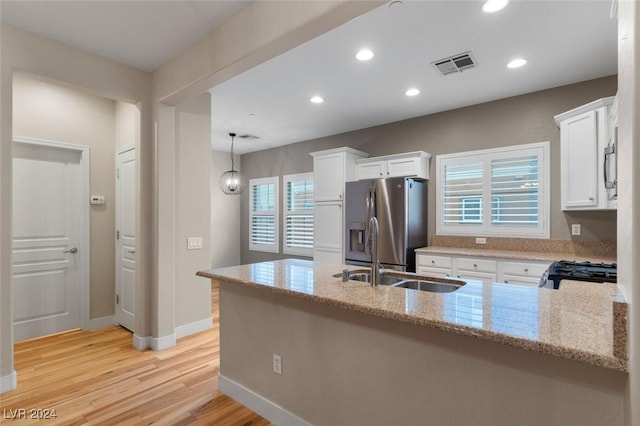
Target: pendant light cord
[231,155]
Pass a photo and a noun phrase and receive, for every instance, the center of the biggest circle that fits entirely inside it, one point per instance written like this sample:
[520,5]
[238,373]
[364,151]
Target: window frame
[296,251]
[486,228]
[270,248]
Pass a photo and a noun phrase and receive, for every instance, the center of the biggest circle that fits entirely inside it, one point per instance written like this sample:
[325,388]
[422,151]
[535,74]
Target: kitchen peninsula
[488,353]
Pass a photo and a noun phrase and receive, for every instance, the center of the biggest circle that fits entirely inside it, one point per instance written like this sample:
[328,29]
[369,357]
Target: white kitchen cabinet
[523,272]
[437,266]
[473,268]
[410,164]
[331,169]
[485,268]
[584,135]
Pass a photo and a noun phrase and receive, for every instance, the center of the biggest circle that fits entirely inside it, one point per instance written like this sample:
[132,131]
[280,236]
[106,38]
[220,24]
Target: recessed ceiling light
[516,63]
[317,99]
[412,92]
[364,55]
[491,6]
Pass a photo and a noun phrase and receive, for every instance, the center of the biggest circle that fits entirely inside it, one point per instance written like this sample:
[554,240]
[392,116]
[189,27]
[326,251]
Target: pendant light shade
[232,182]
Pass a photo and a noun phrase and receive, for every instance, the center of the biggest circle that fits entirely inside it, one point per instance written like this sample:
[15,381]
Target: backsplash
[603,249]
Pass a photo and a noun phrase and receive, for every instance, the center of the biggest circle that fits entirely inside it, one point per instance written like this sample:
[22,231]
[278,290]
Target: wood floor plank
[98,378]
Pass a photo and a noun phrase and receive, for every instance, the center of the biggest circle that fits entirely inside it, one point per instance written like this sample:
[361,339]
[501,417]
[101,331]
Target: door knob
[71,250]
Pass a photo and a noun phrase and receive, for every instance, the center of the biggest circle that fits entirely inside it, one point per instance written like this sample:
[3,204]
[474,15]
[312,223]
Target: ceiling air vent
[456,63]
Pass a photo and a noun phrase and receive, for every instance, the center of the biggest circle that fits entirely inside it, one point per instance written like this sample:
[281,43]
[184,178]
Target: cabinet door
[402,167]
[328,173]
[328,226]
[579,152]
[371,170]
[327,255]
[432,261]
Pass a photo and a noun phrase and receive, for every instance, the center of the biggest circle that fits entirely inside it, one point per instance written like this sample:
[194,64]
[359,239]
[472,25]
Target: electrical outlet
[194,243]
[277,364]
[481,240]
[576,229]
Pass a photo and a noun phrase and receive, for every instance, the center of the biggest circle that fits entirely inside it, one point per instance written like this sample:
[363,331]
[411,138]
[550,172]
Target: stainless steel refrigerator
[400,205]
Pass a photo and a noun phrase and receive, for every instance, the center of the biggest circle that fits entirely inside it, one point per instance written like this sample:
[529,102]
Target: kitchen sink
[428,286]
[386,278]
[401,280]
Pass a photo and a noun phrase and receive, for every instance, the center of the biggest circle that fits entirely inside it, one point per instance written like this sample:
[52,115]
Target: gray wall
[512,121]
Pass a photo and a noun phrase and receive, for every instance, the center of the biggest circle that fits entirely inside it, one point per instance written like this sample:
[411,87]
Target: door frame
[84,240]
[118,283]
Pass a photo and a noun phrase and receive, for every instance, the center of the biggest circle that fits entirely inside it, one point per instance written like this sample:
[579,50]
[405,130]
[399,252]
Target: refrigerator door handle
[366,226]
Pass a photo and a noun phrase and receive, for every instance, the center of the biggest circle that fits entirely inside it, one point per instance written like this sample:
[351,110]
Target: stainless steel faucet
[374,230]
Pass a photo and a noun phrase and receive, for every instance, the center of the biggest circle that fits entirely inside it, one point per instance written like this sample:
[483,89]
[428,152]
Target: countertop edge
[604,361]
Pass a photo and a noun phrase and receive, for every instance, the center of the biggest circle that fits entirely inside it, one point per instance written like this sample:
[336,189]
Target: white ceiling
[142,34]
[564,41]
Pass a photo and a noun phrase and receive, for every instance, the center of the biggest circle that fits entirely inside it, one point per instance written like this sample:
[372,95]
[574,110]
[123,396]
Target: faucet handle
[345,275]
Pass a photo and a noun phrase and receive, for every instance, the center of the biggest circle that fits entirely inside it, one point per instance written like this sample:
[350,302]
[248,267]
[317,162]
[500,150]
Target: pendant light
[232,182]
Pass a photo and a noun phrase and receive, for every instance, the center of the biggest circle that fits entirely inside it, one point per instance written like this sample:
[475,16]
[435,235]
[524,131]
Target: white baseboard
[164,342]
[8,382]
[193,328]
[261,405]
[141,342]
[101,322]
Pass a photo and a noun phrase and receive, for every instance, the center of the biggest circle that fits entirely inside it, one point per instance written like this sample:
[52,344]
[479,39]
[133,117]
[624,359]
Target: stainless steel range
[579,271]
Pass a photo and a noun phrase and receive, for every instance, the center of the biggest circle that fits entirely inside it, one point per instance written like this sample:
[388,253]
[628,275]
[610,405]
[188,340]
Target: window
[515,179]
[298,214]
[263,215]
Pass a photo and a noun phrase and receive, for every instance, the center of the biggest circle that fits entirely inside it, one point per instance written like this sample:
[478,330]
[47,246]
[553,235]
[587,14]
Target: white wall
[628,192]
[225,214]
[193,219]
[127,130]
[25,51]
[44,110]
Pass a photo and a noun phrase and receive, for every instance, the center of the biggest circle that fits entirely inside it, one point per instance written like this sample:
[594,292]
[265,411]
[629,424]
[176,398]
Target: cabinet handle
[380,173]
[590,198]
[506,281]
[340,196]
[475,265]
[458,276]
[526,269]
[433,262]
[388,173]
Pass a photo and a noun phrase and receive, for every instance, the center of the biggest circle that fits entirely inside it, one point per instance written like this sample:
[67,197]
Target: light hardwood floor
[98,378]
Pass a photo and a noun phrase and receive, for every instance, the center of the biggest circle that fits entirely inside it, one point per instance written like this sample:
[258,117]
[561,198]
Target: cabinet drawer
[476,265]
[434,261]
[517,279]
[524,269]
[434,272]
[483,276]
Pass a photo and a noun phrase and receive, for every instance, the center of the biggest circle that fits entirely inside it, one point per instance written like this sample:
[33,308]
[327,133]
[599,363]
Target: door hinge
[117,235]
[117,299]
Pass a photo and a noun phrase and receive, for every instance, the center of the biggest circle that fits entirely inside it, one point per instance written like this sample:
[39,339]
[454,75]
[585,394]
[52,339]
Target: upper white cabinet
[331,169]
[409,164]
[587,146]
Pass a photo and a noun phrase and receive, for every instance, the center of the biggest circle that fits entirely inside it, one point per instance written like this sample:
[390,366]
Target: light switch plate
[194,243]
[97,200]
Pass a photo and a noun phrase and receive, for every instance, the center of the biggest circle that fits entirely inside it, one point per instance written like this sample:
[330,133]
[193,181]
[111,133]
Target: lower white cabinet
[492,269]
[327,245]
[473,268]
[520,272]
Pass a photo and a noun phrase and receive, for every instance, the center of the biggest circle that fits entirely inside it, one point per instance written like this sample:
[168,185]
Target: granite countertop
[510,254]
[581,321]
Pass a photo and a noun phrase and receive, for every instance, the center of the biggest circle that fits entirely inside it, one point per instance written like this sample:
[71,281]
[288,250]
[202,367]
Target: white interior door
[126,238]
[50,256]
